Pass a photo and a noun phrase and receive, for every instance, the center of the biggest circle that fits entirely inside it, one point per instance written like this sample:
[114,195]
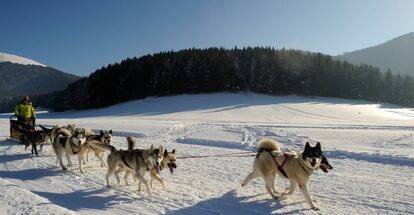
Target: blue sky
[82,36]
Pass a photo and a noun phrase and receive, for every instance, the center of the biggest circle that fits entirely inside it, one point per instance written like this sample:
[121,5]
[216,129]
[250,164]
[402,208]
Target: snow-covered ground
[371,147]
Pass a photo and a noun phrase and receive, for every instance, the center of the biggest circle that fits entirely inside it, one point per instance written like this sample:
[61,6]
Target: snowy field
[371,147]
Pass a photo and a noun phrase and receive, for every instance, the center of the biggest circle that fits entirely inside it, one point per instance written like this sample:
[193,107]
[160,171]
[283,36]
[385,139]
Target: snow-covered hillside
[4,57]
[371,147]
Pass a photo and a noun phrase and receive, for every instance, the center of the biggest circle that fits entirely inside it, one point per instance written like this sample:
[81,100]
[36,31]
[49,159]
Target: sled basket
[16,126]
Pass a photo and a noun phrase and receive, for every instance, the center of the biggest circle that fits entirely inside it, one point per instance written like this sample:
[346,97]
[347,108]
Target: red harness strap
[280,167]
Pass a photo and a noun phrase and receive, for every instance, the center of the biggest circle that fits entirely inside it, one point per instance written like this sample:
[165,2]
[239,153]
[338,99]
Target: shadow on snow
[230,203]
[82,199]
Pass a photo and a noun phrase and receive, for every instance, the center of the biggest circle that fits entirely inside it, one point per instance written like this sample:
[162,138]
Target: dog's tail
[48,130]
[267,144]
[131,143]
[101,146]
[87,132]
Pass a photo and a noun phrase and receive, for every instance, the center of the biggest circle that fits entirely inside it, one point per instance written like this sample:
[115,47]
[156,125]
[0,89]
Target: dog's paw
[315,208]
[285,193]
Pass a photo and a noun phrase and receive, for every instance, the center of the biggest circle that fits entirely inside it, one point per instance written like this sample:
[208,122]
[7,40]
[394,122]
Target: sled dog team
[269,161]
[69,141]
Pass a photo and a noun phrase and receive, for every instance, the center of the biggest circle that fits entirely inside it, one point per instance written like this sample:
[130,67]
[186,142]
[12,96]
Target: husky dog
[168,161]
[138,161]
[296,167]
[33,138]
[70,146]
[104,138]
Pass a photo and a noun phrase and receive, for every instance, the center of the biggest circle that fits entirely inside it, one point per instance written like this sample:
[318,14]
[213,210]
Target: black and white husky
[70,146]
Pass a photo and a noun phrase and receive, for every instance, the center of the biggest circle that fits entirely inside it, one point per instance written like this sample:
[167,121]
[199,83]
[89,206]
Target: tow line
[236,154]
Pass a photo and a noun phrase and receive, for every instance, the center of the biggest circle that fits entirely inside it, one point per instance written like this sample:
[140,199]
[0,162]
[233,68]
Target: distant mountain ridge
[18,79]
[396,54]
[24,76]
[4,57]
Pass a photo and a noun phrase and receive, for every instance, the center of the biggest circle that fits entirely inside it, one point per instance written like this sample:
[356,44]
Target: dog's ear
[307,146]
[101,132]
[161,148]
[152,147]
[165,153]
[110,131]
[173,151]
[318,146]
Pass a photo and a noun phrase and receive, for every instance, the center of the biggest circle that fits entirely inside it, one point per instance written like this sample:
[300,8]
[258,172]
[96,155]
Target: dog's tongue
[171,170]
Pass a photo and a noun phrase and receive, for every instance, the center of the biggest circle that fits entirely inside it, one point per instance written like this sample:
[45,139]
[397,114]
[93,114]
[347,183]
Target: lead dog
[167,162]
[295,167]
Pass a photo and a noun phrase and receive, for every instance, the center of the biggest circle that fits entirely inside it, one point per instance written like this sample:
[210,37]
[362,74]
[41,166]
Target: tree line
[259,69]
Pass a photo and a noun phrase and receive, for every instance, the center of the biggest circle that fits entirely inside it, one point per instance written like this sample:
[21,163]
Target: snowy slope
[4,57]
[370,146]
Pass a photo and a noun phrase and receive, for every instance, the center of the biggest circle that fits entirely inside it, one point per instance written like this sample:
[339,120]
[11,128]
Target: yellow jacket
[25,111]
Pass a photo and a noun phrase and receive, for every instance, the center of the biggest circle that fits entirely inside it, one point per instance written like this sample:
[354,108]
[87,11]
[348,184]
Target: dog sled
[17,126]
